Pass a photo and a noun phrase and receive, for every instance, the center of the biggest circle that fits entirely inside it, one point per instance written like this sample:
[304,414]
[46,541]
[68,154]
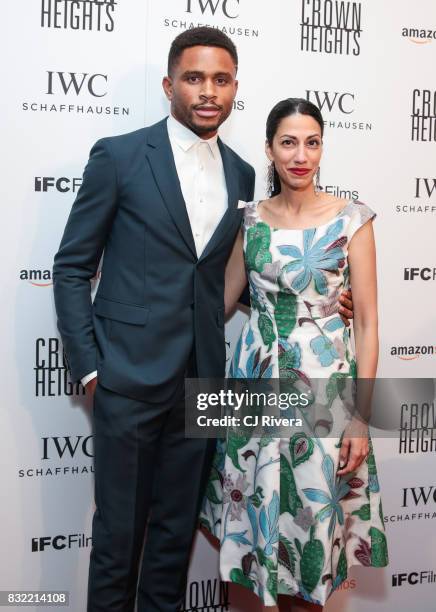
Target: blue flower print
[325,350]
[325,255]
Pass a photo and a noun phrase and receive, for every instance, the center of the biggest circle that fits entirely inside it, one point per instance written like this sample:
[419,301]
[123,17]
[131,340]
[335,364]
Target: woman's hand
[355,447]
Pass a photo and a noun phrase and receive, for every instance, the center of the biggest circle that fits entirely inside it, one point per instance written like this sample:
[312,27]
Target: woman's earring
[270,179]
[318,187]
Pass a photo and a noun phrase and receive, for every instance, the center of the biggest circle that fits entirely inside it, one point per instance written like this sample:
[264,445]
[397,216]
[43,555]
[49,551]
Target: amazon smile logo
[409,353]
[37,278]
[44,278]
[419,36]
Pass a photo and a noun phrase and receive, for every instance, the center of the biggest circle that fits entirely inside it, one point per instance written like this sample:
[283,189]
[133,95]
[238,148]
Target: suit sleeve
[245,296]
[251,184]
[79,254]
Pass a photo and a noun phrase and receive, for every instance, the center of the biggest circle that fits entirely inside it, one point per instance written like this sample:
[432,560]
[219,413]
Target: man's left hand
[346,307]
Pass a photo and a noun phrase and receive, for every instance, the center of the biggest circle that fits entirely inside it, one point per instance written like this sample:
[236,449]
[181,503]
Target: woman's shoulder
[250,211]
[358,214]
[359,210]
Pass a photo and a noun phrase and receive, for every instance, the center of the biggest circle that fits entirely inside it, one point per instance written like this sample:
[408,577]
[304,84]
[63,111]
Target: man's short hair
[205,37]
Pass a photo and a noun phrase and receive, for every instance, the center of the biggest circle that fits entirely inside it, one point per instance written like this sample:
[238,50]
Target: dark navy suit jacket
[156,300]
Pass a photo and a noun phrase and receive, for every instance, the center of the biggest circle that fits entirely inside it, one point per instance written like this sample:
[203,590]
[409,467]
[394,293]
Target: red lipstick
[299,171]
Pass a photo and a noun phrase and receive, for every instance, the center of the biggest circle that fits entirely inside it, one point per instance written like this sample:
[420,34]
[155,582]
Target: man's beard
[203,129]
[187,117]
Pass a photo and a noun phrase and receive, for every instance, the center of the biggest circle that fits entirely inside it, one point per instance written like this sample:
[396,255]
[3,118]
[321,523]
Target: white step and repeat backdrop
[77,71]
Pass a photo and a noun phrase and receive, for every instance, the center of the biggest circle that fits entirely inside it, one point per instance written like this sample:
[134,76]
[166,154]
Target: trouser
[149,482]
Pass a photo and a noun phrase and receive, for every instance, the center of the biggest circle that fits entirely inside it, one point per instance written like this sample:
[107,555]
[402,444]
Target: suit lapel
[227,219]
[160,157]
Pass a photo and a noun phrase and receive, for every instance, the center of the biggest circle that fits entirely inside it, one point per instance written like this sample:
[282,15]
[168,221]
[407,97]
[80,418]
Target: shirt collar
[186,139]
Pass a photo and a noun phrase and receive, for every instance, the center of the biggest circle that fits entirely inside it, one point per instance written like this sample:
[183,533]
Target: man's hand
[90,387]
[346,307]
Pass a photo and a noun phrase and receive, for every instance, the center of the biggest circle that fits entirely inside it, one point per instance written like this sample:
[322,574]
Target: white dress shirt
[201,174]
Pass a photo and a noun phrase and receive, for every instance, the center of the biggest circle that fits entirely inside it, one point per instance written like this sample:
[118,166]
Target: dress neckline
[301,229]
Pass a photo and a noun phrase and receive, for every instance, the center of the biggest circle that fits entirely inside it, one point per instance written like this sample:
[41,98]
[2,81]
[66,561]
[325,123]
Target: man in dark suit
[161,203]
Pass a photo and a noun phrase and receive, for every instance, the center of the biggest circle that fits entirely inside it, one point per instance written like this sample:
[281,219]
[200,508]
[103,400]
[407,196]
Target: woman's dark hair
[205,37]
[285,108]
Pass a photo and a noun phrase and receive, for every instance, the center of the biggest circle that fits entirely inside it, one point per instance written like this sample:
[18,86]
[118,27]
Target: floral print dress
[287,523]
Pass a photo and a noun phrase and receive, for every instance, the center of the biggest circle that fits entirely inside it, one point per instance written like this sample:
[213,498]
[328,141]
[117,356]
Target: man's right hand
[90,387]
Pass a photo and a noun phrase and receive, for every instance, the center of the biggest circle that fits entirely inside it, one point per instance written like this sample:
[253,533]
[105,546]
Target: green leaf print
[287,556]
[370,460]
[211,494]
[266,329]
[342,569]
[264,560]
[335,386]
[271,583]
[271,298]
[289,498]
[265,440]
[237,575]
[364,512]
[205,523]
[298,546]
[235,442]
[312,562]
[257,252]
[268,563]
[300,447]
[257,497]
[380,512]
[285,313]
[353,369]
[290,359]
[379,548]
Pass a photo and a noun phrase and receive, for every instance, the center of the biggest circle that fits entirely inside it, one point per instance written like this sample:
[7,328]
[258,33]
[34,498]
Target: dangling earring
[318,187]
[270,179]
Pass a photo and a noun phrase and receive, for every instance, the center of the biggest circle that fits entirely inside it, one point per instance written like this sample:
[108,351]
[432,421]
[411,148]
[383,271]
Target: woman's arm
[363,280]
[236,276]
[363,277]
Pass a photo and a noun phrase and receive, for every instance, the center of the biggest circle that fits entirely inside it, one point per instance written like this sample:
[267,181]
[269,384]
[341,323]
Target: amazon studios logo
[52,378]
[413,351]
[419,36]
[424,188]
[68,87]
[423,115]
[331,26]
[96,15]
[340,106]
[56,451]
[228,11]
[38,277]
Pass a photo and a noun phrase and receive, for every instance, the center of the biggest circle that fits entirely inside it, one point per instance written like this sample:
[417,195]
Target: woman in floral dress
[293,515]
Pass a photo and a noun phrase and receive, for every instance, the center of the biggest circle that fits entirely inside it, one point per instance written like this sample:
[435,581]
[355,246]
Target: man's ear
[167,85]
